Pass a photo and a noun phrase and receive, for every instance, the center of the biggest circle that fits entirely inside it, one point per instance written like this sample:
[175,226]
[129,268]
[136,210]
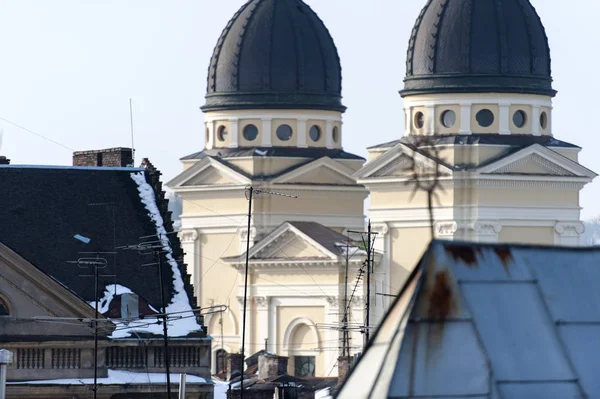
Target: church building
[477,102]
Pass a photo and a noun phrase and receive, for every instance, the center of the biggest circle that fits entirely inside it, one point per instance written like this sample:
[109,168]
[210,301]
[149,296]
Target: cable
[37,134]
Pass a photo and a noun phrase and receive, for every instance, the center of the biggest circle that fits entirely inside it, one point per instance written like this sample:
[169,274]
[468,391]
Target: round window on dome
[544,120]
[250,132]
[419,120]
[222,133]
[284,132]
[485,118]
[520,118]
[315,133]
[336,134]
[448,118]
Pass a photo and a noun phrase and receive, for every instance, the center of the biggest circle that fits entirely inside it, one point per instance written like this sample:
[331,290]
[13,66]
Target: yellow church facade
[478,109]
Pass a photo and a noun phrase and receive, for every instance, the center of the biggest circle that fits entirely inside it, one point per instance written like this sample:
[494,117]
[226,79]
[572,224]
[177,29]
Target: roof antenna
[131,127]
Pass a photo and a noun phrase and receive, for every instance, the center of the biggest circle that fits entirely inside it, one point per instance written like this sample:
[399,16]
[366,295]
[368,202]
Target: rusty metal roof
[489,321]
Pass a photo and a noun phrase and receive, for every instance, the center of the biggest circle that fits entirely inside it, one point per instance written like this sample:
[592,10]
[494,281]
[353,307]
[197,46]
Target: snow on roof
[118,377]
[321,394]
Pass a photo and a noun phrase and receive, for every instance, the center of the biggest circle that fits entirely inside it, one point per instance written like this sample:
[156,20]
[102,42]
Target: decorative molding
[29,296]
[551,167]
[333,301]
[381,229]
[446,229]
[188,236]
[570,229]
[262,302]
[484,228]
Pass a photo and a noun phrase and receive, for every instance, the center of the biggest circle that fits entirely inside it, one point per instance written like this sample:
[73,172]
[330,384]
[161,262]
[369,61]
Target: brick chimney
[4,160]
[110,157]
[233,364]
[345,363]
[271,366]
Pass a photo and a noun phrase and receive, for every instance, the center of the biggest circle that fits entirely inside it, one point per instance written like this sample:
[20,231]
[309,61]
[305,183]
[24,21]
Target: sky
[69,67]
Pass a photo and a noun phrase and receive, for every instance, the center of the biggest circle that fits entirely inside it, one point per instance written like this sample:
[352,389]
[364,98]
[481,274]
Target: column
[504,118]
[465,118]
[191,248]
[329,134]
[535,120]
[330,335]
[272,309]
[568,233]
[234,133]
[211,134]
[487,231]
[262,322]
[249,336]
[407,121]
[382,270]
[266,132]
[302,133]
[430,120]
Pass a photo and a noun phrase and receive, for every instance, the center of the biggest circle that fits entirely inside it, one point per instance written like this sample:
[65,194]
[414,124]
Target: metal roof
[489,321]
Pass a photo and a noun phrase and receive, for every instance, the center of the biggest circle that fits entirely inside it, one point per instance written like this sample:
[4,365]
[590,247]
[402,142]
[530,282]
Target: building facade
[478,145]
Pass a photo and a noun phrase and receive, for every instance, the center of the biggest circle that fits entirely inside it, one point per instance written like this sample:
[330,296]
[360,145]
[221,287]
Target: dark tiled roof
[42,208]
[513,140]
[325,236]
[286,152]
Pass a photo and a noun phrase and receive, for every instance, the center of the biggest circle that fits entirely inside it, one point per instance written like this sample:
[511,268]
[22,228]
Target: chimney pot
[271,366]
[110,157]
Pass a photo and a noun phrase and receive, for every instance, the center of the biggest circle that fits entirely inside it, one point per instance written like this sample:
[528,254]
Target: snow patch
[110,292]
[119,377]
[322,394]
[350,249]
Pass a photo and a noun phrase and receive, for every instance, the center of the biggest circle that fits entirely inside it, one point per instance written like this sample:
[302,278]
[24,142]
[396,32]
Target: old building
[55,223]
[478,135]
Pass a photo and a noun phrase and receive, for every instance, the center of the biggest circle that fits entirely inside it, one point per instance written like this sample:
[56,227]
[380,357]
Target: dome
[475,46]
[275,54]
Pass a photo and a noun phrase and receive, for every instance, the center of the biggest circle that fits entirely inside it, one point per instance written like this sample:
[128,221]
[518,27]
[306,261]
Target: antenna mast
[131,127]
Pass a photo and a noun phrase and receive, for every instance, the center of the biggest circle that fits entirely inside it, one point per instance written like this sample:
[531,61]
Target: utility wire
[37,134]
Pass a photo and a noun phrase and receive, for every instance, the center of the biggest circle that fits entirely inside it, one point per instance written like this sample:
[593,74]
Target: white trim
[465,118]
[272,114]
[535,120]
[329,134]
[266,132]
[430,120]
[234,133]
[178,182]
[416,101]
[504,119]
[292,326]
[301,141]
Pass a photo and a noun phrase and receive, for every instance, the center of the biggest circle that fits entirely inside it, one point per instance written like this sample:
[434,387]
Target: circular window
[419,120]
[448,118]
[544,120]
[222,133]
[485,118]
[520,118]
[250,132]
[284,132]
[336,134]
[315,133]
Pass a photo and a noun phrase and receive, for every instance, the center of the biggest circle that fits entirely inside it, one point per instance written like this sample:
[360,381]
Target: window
[448,118]
[544,120]
[336,134]
[315,133]
[222,133]
[250,132]
[419,120]
[284,132]
[4,310]
[485,118]
[520,118]
[220,360]
[304,366]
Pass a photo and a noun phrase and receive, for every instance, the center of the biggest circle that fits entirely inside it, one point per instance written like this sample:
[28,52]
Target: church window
[419,120]
[485,118]
[448,118]
[520,118]
[544,120]
[250,132]
[220,360]
[304,366]
[222,133]
[315,133]
[4,310]
[336,134]
[284,132]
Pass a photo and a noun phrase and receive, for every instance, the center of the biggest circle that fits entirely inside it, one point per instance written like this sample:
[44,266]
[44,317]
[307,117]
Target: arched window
[4,308]
[220,355]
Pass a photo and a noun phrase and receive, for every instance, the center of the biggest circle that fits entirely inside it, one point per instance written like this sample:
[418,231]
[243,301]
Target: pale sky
[69,67]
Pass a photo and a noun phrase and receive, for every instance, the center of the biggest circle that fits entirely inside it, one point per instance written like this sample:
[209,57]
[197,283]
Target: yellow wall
[407,248]
[528,197]
[527,235]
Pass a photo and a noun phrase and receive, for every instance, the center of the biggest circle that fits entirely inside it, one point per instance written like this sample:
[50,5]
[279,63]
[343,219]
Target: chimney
[233,364]
[110,157]
[130,306]
[344,365]
[4,160]
[271,366]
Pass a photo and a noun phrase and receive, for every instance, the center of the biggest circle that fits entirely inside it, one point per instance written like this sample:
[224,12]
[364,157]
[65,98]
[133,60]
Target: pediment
[290,246]
[537,160]
[208,172]
[322,171]
[209,176]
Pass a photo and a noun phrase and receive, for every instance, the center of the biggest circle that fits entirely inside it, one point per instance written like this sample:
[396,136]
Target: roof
[488,321]
[478,46]
[43,208]
[330,239]
[275,54]
[284,152]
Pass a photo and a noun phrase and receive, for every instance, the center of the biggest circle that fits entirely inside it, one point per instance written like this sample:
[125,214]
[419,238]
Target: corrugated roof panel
[583,344]
[547,390]
[517,333]
[440,359]
[569,283]
[470,263]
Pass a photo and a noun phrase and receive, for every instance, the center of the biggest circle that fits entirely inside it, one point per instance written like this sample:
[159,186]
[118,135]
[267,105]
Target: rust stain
[506,257]
[464,253]
[441,296]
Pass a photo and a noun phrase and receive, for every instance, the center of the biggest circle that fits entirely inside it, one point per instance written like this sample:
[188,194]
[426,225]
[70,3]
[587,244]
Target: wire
[37,134]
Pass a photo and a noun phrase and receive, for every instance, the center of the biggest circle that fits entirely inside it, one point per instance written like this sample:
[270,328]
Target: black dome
[275,54]
[478,46]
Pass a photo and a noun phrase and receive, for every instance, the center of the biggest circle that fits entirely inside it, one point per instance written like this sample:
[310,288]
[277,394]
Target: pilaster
[568,233]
